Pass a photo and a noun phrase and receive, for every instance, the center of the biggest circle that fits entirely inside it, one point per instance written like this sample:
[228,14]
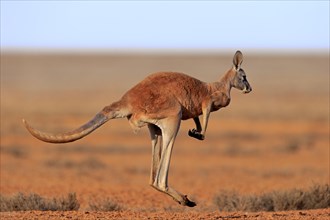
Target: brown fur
[161,101]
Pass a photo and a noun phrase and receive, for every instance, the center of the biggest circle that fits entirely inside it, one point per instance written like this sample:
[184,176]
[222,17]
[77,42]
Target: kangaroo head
[240,81]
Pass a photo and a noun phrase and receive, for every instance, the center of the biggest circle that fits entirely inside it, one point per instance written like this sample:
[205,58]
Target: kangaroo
[161,101]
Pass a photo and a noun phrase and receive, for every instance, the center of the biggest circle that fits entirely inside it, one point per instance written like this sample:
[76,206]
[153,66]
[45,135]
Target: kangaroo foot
[186,202]
[176,196]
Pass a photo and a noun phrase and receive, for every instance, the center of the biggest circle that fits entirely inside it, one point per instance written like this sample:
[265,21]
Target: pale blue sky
[179,25]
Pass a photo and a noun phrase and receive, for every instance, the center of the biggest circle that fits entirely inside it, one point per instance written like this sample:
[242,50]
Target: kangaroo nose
[247,89]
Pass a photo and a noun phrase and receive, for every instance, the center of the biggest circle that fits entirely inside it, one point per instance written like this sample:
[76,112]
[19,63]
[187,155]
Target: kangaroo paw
[195,134]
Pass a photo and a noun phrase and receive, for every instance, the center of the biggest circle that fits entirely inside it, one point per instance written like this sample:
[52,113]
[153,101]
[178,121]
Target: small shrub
[16,151]
[88,163]
[22,202]
[235,150]
[106,205]
[316,197]
[227,201]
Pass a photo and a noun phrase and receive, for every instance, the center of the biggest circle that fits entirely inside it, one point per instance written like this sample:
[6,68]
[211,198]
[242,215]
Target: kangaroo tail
[98,120]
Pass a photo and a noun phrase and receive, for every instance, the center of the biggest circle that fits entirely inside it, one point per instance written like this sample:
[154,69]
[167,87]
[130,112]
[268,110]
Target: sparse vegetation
[235,150]
[106,205]
[16,151]
[33,201]
[88,163]
[22,202]
[270,145]
[316,197]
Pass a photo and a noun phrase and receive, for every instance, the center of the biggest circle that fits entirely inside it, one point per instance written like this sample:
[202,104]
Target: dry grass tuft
[316,197]
[16,151]
[106,205]
[22,202]
[88,163]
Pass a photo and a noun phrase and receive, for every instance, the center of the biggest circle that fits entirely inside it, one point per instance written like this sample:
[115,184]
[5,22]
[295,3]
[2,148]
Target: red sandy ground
[321,214]
[276,138]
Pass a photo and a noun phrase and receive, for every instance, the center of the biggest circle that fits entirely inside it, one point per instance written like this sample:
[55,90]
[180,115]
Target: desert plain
[274,139]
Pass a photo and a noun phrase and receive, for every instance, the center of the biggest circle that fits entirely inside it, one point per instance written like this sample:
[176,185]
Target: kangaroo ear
[238,59]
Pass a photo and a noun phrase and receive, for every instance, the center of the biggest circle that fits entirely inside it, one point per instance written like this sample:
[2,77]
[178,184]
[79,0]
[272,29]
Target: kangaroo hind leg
[170,127]
[156,142]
